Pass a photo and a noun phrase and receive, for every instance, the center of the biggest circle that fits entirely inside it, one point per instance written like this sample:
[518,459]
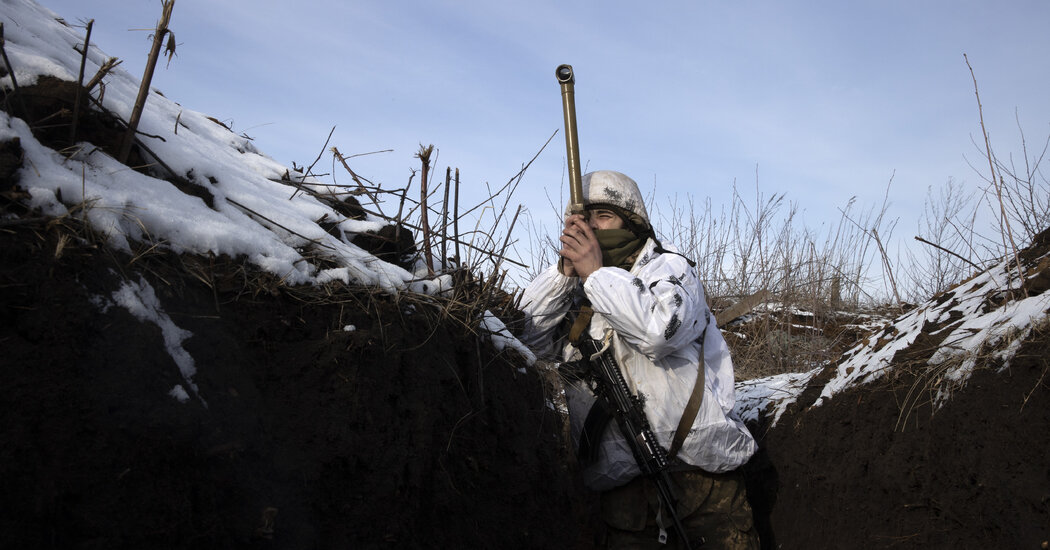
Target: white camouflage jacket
[658,313]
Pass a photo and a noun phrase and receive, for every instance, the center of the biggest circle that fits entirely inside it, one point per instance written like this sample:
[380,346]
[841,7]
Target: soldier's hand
[579,247]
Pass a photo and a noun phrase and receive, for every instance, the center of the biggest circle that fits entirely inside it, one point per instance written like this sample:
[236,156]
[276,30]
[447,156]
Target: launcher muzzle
[572,142]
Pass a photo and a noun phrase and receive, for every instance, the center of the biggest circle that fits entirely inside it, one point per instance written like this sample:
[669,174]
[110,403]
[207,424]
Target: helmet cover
[609,188]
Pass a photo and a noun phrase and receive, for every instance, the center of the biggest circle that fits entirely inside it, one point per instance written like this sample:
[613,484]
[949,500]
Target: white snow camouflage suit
[657,312]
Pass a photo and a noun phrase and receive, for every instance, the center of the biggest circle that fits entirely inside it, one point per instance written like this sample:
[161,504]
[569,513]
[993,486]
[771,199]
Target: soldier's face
[605,219]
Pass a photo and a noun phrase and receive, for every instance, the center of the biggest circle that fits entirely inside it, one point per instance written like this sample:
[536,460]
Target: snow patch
[502,338]
[179,393]
[770,396]
[141,300]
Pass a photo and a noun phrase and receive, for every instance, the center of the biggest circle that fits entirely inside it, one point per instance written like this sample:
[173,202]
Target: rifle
[616,397]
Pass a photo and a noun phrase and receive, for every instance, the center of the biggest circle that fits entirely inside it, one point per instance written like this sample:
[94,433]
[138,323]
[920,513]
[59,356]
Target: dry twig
[939,247]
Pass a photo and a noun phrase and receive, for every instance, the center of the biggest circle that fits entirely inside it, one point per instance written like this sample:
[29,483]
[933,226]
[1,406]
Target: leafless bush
[1026,190]
[1013,197]
[948,255]
[761,245]
[968,230]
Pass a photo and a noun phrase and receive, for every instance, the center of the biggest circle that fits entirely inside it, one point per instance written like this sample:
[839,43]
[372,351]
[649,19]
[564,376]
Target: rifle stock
[567,80]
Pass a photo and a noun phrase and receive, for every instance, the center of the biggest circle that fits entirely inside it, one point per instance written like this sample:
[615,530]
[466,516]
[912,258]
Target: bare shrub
[948,256]
[744,248]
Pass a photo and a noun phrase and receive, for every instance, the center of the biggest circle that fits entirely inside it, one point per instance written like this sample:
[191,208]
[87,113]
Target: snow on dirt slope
[200,353]
[993,312]
[249,205]
[929,433]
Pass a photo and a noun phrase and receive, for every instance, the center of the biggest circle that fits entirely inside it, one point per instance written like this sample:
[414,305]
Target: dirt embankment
[408,432]
[405,432]
[884,466]
[972,474]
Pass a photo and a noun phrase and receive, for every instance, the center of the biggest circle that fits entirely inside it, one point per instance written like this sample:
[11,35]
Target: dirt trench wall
[403,432]
[864,470]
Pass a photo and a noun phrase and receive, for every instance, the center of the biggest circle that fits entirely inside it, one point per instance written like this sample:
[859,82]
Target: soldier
[614,278]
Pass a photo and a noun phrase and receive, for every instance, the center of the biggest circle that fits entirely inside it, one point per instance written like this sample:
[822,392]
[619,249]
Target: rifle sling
[692,407]
[598,417]
[579,326]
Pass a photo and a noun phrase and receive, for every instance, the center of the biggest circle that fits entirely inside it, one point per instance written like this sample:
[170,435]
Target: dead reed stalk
[353,175]
[941,248]
[309,170]
[103,70]
[147,78]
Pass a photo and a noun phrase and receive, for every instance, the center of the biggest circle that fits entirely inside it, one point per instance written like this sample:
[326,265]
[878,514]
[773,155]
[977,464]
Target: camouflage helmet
[606,188]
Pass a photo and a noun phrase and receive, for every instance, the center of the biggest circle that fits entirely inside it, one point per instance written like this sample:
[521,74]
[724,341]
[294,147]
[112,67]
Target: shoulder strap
[692,407]
[579,326]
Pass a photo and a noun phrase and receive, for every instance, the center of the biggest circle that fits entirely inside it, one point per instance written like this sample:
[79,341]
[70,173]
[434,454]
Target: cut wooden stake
[11,72]
[444,220]
[424,158]
[80,84]
[742,307]
[455,221]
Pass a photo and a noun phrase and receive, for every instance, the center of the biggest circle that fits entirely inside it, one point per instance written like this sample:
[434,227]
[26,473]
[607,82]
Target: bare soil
[881,466]
[972,474]
[406,432]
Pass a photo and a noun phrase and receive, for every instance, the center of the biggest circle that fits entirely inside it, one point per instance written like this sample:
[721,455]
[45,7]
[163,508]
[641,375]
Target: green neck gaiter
[618,247]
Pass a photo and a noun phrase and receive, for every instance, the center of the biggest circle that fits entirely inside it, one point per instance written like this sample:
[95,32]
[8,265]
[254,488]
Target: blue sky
[820,101]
